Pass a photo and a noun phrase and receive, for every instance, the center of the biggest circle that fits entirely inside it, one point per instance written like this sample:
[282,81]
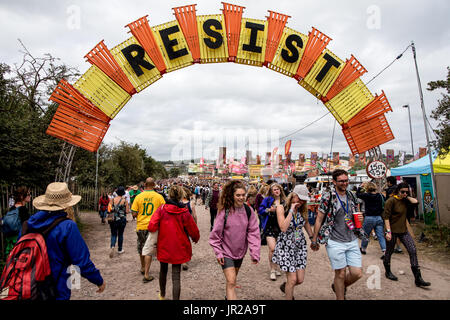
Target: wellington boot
[388,273]
[418,278]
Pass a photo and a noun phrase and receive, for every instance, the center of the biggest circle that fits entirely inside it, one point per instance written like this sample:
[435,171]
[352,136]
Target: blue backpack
[11,224]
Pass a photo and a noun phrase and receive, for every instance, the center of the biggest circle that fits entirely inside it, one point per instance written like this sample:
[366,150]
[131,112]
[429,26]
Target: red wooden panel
[187,19]
[104,60]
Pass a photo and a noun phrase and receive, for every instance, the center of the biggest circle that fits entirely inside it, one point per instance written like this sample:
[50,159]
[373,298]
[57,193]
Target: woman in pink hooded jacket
[235,230]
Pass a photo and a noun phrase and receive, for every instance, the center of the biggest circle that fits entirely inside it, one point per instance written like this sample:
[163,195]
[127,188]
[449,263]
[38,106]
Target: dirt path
[205,281]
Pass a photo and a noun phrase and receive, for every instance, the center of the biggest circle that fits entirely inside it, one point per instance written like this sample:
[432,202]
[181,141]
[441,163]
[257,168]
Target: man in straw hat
[65,246]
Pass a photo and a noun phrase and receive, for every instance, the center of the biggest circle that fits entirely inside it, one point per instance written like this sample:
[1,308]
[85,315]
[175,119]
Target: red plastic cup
[356,220]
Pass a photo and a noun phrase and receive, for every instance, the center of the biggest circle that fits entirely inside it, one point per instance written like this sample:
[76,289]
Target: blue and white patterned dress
[290,254]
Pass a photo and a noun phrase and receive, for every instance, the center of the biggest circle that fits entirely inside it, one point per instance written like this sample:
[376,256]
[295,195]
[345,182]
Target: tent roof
[422,166]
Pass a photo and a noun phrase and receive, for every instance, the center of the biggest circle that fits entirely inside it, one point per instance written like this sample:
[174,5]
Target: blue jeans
[117,229]
[377,223]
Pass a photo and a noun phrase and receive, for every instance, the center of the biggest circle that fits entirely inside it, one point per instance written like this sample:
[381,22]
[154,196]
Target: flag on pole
[287,147]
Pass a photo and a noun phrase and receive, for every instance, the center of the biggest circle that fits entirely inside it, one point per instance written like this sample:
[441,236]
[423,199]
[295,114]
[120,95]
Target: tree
[174,172]
[442,114]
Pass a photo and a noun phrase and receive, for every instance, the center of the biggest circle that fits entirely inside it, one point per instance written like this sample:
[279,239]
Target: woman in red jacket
[175,226]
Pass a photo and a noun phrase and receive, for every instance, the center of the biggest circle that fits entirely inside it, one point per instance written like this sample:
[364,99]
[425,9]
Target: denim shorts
[343,254]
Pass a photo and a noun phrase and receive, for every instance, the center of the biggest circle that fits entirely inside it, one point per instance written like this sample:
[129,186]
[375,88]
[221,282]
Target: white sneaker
[121,251]
[273,275]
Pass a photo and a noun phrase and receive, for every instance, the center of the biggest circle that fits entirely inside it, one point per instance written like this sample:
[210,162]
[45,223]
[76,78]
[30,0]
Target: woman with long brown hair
[291,249]
[235,229]
[268,216]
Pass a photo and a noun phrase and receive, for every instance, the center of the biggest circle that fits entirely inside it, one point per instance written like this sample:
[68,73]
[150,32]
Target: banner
[362,158]
[401,158]
[288,158]
[248,157]
[301,158]
[287,147]
[222,156]
[390,155]
[313,158]
[254,170]
[422,152]
[267,161]
[427,198]
[351,160]
[335,158]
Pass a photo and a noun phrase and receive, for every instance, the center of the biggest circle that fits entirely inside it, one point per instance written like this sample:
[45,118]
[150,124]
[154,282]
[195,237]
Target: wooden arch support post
[187,18]
[317,41]
[353,69]
[277,22]
[233,17]
[141,30]
[104,60]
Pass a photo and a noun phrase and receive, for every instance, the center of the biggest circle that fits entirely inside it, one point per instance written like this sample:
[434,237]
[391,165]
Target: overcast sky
[193,111]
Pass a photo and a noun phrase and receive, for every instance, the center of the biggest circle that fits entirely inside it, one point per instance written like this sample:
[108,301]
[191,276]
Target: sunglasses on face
[342,181]
[404,191]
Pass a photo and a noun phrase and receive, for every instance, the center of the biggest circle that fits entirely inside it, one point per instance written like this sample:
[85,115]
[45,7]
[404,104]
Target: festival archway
[87,106]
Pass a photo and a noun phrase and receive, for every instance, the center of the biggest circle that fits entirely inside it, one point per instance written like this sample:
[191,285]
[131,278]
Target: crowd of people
[243,218]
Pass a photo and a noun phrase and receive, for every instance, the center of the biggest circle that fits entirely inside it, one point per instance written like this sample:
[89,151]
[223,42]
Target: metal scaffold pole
[422,104]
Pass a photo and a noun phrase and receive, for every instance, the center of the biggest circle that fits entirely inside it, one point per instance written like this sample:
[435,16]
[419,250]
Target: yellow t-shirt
[145,204]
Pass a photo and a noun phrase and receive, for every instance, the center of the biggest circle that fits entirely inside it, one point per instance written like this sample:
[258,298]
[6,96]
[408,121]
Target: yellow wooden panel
[102,91]
[247,57]
[139,82]
[322,87]
[350,101]
[207,54]
[278,63]
[180,62]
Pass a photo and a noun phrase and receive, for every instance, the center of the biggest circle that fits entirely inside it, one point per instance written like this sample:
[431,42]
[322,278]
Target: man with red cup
[341,228]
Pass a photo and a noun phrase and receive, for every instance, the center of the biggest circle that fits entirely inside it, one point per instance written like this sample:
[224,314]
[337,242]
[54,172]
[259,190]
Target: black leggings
[408,242]
[213,214]
[176,283]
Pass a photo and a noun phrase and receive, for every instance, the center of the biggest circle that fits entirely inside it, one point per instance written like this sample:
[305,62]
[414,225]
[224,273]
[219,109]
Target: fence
[88,202]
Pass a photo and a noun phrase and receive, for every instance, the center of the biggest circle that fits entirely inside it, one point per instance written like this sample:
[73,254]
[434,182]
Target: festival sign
[143,58]
[390,155]
[376,169]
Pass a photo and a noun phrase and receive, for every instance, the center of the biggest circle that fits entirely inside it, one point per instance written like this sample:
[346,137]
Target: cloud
[229,99]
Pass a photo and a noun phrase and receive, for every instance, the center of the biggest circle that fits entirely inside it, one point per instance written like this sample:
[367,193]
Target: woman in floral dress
[291,249]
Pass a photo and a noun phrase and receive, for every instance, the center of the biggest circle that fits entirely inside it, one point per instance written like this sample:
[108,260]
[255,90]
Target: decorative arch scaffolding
[87,106]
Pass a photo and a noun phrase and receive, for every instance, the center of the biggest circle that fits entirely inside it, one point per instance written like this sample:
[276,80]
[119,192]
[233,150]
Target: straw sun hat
[56,197]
